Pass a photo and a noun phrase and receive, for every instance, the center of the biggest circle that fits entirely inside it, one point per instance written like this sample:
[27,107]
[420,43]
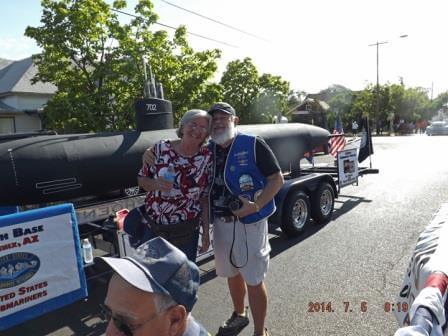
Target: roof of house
[314,102]
[15,77]
[6,108]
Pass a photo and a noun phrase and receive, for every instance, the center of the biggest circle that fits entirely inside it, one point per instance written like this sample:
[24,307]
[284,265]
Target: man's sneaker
[234,324]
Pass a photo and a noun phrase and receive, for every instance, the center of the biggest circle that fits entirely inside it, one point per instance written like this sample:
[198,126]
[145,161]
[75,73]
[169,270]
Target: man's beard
[228,134]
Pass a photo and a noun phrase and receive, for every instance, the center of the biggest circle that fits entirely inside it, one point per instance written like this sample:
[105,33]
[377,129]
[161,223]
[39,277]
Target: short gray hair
[163,302]
[189,116]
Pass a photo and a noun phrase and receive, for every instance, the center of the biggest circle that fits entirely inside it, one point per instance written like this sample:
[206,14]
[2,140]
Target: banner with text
[41,267]
[347,167]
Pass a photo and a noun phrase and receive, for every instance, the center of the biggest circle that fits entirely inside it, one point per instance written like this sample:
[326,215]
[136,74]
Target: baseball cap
[223,107]
[159,267]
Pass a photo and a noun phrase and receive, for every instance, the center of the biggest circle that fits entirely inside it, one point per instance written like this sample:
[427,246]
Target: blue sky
[312,44]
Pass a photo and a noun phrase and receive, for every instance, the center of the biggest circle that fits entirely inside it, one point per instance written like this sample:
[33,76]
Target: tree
[340,100]
[436,105]
[96,64]
[364,103]
[240,85]
[272,98]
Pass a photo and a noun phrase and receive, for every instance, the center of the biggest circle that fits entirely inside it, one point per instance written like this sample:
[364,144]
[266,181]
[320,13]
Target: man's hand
[148,157]
[247,208]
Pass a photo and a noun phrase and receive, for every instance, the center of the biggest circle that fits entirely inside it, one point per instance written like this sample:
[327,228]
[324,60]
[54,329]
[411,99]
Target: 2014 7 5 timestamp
[330,307]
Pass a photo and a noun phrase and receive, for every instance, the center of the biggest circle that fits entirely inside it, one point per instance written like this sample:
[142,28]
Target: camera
[235,204]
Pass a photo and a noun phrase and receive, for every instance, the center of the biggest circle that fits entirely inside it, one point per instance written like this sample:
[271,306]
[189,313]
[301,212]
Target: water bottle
[87,251]
[170,173]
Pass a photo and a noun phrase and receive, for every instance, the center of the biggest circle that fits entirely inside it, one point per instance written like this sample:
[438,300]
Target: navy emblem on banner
[16,268]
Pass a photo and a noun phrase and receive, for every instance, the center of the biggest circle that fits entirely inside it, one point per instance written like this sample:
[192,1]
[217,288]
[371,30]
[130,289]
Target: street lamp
[377,107]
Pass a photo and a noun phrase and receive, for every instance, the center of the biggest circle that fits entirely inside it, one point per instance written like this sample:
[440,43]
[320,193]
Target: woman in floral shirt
[185,199]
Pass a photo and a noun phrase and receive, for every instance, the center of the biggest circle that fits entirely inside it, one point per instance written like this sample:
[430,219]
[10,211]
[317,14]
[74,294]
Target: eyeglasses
[195,126]
[122,326]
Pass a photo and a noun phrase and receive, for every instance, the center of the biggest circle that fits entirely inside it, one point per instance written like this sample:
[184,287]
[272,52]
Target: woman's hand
[163,185]
[205,242]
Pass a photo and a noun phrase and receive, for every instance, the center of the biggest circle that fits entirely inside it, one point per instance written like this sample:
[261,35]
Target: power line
[215,21]
[174,28]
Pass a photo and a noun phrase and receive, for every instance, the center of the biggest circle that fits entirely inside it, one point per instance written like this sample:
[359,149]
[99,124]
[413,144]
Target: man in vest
[152,292]
[247,177]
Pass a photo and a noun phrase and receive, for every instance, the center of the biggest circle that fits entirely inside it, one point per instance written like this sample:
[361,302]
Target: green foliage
[256,99]
[396,103]
[96,64]
[272,98]
[240,85]
[440,101]
[340,100]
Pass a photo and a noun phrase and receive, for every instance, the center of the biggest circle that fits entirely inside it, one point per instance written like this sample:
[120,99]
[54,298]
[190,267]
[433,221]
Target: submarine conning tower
[153,114]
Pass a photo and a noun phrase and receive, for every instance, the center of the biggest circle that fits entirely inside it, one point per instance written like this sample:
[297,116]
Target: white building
[20,101]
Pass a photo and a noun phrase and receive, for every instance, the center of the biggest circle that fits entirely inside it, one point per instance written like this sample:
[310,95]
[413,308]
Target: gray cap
[222,107]
[159,267]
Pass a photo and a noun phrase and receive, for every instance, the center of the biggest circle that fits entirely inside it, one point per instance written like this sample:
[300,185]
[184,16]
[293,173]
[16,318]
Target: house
[311,111]
[21,101]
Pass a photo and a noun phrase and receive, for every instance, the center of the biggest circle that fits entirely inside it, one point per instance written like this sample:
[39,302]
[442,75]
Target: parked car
[437,128]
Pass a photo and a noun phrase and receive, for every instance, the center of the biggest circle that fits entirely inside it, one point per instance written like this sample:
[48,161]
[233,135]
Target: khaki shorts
[253,259]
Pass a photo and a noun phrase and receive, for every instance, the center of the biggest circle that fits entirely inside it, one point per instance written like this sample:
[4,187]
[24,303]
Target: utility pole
[377,107]
[432,89]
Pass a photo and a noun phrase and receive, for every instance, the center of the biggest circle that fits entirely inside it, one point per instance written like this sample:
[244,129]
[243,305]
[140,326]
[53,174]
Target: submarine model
[39,169]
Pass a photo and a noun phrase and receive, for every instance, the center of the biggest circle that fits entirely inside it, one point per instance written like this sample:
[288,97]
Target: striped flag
[337,141]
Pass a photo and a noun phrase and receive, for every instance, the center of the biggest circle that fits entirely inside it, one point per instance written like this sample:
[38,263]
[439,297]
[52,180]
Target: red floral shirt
[191,184]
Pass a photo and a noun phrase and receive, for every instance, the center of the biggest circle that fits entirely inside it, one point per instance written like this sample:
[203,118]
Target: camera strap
[233,243]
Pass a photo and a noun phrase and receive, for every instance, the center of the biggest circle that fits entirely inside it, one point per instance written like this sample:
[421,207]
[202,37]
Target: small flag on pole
[337,141]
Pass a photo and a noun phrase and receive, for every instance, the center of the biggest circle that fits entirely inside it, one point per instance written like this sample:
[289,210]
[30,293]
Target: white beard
[228,134]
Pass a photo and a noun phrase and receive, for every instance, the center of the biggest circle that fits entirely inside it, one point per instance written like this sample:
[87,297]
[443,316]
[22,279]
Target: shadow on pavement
[80,318]
[280,242]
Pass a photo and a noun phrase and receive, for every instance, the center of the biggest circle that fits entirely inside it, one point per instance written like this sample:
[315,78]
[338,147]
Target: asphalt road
[360,256]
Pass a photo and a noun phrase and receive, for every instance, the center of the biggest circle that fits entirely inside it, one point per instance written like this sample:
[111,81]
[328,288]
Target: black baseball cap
[222,107]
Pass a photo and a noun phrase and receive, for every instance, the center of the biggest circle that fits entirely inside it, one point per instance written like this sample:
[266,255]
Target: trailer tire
[296,217]
[322,203]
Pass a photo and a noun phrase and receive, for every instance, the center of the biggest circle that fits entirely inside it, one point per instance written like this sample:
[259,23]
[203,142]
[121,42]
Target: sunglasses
[122,326]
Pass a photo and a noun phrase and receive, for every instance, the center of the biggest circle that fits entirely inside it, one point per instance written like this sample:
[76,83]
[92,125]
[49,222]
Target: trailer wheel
[322,203]
[297,214]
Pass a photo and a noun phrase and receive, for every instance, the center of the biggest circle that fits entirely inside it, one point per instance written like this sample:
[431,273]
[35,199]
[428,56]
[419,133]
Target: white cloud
[15,48]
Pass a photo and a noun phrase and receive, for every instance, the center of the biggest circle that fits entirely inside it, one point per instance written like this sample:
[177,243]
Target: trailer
[96,175]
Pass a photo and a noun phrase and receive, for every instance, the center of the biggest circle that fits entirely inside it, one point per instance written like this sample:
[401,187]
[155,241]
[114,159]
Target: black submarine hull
[50,168]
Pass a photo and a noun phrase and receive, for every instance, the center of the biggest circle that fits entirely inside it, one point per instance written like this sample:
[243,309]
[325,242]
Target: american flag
[337,141]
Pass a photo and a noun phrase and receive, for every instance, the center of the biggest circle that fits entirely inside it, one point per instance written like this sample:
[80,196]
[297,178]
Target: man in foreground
[152,293]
